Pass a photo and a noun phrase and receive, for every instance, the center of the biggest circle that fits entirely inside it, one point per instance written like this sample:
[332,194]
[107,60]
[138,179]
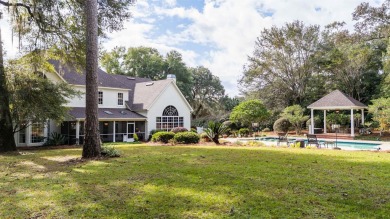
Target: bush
[214,130]
[179,129]
[163,137]
[186,138]
[109,151]
[194,130]
[266,130]
[55,139]
[243,131]
[135,137]
[317,122]
[282,125]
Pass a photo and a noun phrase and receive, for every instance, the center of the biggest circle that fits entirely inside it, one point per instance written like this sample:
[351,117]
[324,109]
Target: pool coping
[384,146]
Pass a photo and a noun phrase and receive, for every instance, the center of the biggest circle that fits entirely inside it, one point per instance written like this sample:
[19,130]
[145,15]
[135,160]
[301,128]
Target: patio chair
[312,140]
[282,137]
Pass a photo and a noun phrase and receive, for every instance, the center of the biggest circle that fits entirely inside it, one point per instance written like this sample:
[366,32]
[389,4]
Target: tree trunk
[91,146]
[7,141]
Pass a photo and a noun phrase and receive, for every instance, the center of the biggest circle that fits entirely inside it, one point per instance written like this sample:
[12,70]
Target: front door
[130,129]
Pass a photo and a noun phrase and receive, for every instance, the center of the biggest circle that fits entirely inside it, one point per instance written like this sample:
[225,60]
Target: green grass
[196,182]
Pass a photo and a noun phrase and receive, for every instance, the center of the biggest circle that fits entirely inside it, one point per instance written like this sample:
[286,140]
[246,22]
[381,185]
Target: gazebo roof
[337,100]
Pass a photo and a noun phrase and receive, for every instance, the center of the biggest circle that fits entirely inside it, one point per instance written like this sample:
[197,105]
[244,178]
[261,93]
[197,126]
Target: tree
[174,64]
[295,115]
[34,98]
[56,27]
[206,92]
[281,68]
[91,147]
[374,24]
[380,110]
[349,63]
[148,62]
[7,141]
[249,112]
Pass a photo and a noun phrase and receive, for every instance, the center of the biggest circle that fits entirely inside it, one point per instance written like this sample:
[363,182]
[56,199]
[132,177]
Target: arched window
[170,119]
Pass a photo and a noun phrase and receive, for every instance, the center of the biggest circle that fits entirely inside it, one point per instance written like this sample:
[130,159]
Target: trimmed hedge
[179,129]
[243,131]
[282,125]
[163,137]
[187,138]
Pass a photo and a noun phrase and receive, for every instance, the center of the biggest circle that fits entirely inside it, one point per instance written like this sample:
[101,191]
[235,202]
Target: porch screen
[170,119]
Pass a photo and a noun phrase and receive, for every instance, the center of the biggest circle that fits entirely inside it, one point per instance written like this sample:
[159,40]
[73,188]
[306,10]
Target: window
[37,133]
[120,99]
[170,119]
[22,136]
[100,96]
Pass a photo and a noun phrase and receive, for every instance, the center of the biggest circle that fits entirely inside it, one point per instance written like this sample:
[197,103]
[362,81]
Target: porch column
[352,125]
[312,121]
[77,132]
[363,117]
[113,137]
[325,121]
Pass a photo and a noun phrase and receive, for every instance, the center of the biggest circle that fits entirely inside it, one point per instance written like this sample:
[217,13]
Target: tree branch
[27,7]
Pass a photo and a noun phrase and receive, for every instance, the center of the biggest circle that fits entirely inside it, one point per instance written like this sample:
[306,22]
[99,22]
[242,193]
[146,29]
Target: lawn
[196,182]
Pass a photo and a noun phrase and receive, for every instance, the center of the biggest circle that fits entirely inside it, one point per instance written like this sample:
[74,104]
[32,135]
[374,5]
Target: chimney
[172,77]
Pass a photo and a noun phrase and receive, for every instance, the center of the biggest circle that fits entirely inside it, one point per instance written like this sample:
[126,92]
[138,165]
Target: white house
[127,105]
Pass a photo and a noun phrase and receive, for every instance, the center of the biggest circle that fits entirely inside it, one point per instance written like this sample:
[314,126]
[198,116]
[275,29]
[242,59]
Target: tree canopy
[248,112]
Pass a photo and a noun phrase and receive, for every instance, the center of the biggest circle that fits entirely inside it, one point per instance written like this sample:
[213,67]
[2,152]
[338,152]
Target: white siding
[169,97]
[110,98]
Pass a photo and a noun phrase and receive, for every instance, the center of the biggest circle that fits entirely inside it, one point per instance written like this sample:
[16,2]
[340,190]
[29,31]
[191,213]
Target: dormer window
[120,99]
[100,97]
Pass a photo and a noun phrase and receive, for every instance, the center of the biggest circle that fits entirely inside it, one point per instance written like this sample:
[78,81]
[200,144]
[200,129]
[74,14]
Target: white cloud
[225,30]
[229,28]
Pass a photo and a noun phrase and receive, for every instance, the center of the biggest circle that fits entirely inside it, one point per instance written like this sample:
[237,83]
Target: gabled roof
[337,100]
[106,113]
[146,93]
[71,76]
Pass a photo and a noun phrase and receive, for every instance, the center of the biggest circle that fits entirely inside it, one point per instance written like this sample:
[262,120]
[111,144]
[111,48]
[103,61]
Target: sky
[217,34]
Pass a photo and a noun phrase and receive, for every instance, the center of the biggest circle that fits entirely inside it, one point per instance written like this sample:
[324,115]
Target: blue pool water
[342,144]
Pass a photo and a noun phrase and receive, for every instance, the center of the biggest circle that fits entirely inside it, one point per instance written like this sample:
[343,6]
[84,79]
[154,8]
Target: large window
[170,119]
[100,96]
[37,133]
[120,99]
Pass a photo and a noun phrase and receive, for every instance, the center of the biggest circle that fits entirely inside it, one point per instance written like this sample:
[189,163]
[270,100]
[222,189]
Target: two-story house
[127,105]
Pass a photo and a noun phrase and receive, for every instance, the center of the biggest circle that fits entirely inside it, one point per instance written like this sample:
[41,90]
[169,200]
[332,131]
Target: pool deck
[384,145]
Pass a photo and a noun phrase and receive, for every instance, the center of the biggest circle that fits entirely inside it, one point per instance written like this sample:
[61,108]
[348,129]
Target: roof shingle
[337,100]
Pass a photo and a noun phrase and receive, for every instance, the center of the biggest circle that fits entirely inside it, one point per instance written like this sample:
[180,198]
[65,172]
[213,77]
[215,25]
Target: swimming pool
[356,145]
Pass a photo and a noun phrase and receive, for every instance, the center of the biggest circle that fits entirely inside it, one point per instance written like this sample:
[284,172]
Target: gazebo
[336,100]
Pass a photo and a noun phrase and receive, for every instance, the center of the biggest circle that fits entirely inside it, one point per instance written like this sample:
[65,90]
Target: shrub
[282,125]
[317,122]
[135,137]
[214,130]
[243,131]
[194,130]
[109,151]
[162,136]
[179,129]
[55,139]
[254,144]
[266,130]
[186,138]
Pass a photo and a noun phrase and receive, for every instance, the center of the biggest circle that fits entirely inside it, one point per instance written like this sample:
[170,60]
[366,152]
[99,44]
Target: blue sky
[218,34]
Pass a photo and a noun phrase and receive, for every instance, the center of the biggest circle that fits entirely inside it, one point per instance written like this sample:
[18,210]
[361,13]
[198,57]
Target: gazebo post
[325,121]
[311,131]
[362,117]
[352,125]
